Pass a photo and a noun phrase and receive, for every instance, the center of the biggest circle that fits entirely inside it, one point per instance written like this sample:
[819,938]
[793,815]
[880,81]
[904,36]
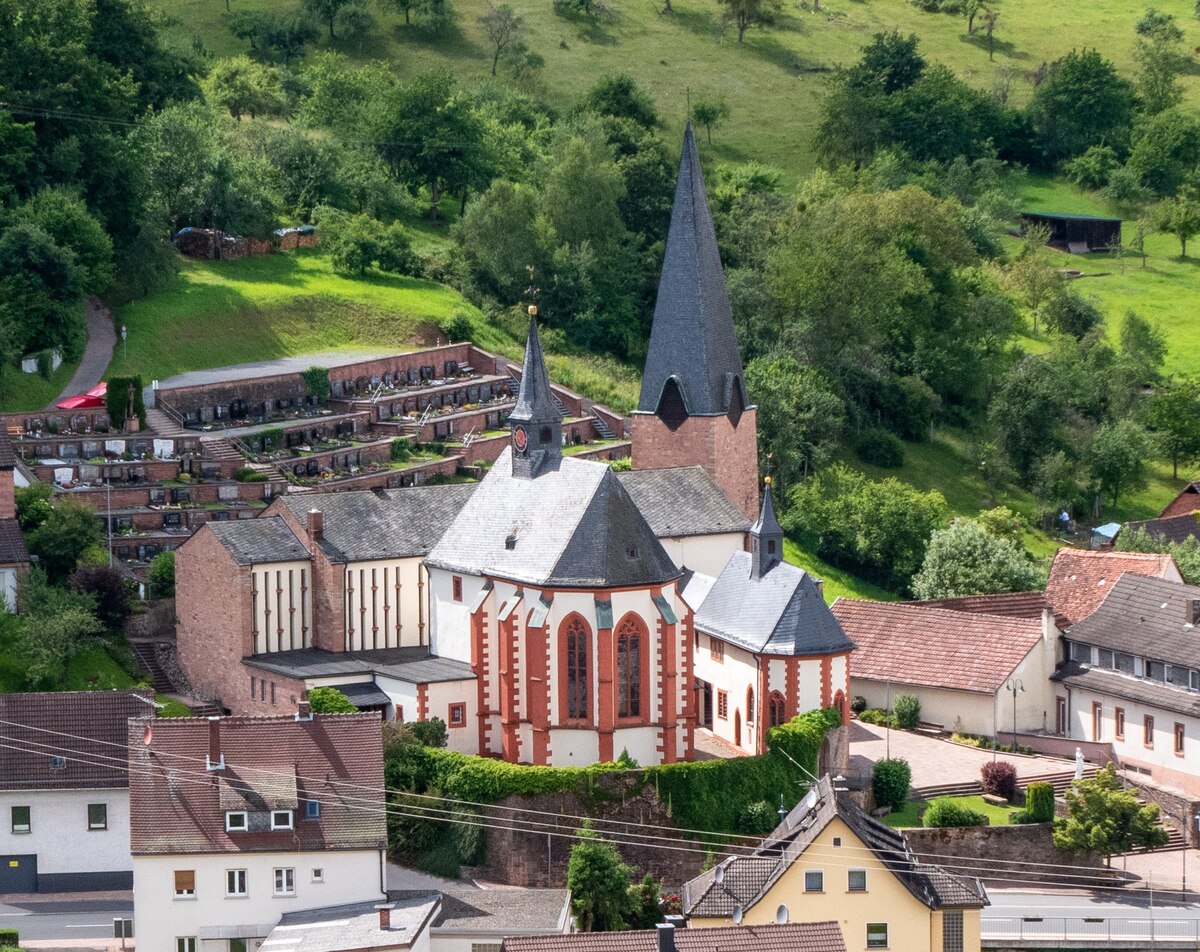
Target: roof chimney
[678,921]
[304,709]
[385,915]
[316,524]
[1193,611]
[666,937]
[216,759]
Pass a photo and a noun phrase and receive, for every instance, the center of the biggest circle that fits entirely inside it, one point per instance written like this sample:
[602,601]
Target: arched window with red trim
[749,705]
[576,645]
[631,640]
[776,710]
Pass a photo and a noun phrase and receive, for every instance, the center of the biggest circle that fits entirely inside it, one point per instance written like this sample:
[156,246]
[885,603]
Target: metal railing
[1096,928]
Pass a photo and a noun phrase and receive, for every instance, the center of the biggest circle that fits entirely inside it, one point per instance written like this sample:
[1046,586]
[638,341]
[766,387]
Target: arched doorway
[737,728]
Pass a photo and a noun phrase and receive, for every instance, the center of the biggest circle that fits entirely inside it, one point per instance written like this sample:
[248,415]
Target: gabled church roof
[692,337]
[574,527]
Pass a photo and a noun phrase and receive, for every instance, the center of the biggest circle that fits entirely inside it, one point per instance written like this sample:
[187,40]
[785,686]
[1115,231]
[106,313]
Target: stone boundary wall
[1175,803]
[1093,752]
[1006,856]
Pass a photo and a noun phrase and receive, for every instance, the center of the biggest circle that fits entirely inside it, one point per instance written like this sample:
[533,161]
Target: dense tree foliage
[599,882]
[966,559]
[1106,819]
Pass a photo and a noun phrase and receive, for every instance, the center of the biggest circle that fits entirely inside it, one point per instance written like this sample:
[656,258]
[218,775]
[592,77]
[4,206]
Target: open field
[20,391]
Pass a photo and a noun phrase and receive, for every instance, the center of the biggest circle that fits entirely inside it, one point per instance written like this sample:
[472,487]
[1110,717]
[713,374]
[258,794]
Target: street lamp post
[124,343]
[1014,685]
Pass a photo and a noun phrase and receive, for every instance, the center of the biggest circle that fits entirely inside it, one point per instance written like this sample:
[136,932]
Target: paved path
[280,365]
[935,761]
[1163,870]
[97,355]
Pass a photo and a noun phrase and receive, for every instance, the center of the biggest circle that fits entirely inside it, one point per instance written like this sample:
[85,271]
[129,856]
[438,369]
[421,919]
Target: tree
[599,882]
[330,701]
[890,62]
[1143,348]
[1026,411]
[971,9]
[747,13]
[645,899]
[431,732]
[1166,151]
[401,6]
[890,781]
[1178,216]
[55,624]
[1093,168]
[357,243]
[64,216]
[1186,552]
[990,17]
[1032,277]
[503,27]
[41,288]
[67,532]
[1172,414]
[964,559]
[107,588]
[620,96]
[325,11]
[1160,57]
[1082,102]
[709,112]
[1071,313]
[241,85]
[1103,818]
[1118,458]
[33,505]
[162,575]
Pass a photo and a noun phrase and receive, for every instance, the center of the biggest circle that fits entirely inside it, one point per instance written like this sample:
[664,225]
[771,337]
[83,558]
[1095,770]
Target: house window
[877,935]
[20,820]
[285,881]
[312,809]
[1179,737]
[485,947]
[716,650]
[750,705]
[1119,723]
[814,880]
[235,882]
[1148,732]
[236,822]
[97,816]
[237,945]
[318,874]
[577,642]
[952,930]
[1097,720]
[458,715]
[253,686]
[281,819]
[272,692]
[456,588]
[856,880]
[630,639]
[722,705]
[185,943]
[776,709]
[185,883]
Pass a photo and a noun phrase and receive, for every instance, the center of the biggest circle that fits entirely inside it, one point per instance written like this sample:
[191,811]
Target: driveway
[935,761]
[101,339]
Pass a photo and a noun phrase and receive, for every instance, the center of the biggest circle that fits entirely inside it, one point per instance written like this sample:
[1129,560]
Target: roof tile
[788,937]
[1080,578]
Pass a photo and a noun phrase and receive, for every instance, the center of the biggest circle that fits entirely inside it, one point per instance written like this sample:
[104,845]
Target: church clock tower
[536,421]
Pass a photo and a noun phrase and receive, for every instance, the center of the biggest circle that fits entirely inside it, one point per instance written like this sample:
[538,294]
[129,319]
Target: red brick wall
[728,454]
[8,499]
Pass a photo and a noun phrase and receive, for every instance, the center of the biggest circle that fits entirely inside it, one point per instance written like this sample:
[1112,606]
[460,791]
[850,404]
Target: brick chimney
[666,936]
[304,709]
[385,916]
[216,759]
[316,524]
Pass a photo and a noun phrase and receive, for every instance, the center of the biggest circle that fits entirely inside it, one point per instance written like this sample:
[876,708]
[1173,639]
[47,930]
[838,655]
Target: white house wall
[159,917]
[282,606]
[736,675]
[450,620]
[59,836]
[384,604]
[439,696]
[706,554]
[938,705]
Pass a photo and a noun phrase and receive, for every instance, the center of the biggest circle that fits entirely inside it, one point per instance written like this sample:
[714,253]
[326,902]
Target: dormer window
[281,819]
[510,542]
[631,552]
[237,822]
[312,809]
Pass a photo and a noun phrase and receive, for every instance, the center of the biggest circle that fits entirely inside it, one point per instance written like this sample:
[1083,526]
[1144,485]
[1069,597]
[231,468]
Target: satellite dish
[719,875]
[810,799]
[781,915]
[738,913]
[147,735]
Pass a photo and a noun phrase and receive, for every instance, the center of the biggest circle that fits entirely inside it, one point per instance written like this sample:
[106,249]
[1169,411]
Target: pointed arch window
[672,409]
[749,705]
[776,710]
[631,640]
[576,644]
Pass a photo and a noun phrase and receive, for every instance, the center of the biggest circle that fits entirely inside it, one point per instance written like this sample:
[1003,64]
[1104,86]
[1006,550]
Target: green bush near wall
[116,401]
[317,381]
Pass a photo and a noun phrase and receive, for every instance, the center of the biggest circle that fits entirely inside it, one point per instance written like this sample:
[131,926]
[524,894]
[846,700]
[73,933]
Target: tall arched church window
[749,705]
[631,638]
[577,639]
[776,710]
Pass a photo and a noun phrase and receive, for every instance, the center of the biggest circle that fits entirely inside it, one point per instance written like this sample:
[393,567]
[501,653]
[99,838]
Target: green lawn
[19,391]
[94,669]
[910,816]
[838,582]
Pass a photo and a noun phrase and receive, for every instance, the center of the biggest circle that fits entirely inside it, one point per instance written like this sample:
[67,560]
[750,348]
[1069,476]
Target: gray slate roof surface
[254,541]
[783,612]
[401,523]
[354,926]
[12,543]
[497,911]
[572,527]
[692,337]
[1140,690]
[1144,616]
[414,665]
[682,501]
[8,459]
[1169,528]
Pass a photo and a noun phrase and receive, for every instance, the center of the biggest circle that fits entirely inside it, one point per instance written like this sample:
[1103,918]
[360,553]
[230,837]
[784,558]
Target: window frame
[722,705]
[245,824]
[291,820]
[237,945]
[318,874]
[456,588]
[850,887]
[233,878]
[819,874]
[716,650]
[185,943]
[92,825]
[1148,731]
[1119,723]
[575,644]
[1180,738]
[876,944]
[751,709]
[185,893]
[312,809]
[776,704]
[21,828]
[630,645]
[1097,721]
[286,875]
[458,710]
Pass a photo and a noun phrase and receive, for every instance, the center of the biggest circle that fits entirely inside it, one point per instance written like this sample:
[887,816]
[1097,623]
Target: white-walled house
[64,791]
[237,821]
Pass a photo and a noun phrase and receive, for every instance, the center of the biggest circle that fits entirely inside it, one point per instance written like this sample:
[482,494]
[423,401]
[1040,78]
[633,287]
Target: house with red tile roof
[1081,578]
[1188,500]
[668,937]
[961,664]
[236,821]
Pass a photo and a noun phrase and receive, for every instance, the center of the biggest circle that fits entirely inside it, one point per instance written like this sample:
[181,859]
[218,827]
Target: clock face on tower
[520,439]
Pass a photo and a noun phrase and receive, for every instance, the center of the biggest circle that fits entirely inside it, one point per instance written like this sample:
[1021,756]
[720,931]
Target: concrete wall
[706,554]
[281,596]
[70,856]
[160,917]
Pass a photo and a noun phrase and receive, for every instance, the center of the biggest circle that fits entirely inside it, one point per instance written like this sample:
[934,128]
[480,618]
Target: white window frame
[850,887]
[94,827]
[814,872]
[285,881]
[286,825]
[27,826]
[236,877]
[318,874]
[231,827]
[887,936]
[185,943]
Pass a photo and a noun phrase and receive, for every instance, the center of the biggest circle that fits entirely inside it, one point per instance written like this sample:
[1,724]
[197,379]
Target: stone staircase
[163,425]
[603,430]
[1060,780]
[220,448]
[147,658]
[205,709]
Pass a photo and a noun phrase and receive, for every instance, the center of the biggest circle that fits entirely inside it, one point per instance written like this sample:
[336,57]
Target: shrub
[945,811]
[890,781]
[1039,802]
[10,937]
[907,711]
[458,328]
[330,701]
[967,740]
[162,575]
[317,381]
[400,450]
[878,447]
[873,715]
[758,818]
[999,779]
[247,475]
[859,704]
[431,733]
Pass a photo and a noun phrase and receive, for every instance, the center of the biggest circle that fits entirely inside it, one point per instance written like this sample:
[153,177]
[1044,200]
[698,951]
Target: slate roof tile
[1145,616]
[412,664]
[1169,528]
[256,541]
[12,543]
[1138,690]
[788,937]
[682,501]
[1080,578]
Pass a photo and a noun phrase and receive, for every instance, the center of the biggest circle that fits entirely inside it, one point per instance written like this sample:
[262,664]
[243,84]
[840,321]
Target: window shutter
[185,880]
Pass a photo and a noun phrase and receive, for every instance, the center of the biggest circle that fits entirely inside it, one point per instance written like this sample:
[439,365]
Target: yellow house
[829,860]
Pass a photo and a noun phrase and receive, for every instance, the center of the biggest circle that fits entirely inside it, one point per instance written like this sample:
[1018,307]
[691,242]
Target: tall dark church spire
[766,539]
[536,421]
[693,367]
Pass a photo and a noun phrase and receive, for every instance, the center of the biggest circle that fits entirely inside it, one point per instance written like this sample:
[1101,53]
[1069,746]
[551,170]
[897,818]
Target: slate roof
[414,665]
[1145,616]
[498,911]
[912,643]
[692,337]
[572,527]
[747,879]
[336,759]
[12,543]
[255,541]
[1169,528]
[88,728]
[789,937]
[783,612]
[1080,578]
[1009,604]
[682,501]
[395,524]
[353,926]
[8,459]
[1139,690]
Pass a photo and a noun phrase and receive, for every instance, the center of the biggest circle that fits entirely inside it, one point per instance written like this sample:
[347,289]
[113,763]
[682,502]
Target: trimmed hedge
[1039,802]
[890,780]
[10,937]
[116,401]
[317,381]
[944,812]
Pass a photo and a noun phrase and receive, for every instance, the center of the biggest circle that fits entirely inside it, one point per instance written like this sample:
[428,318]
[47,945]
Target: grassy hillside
[773,82]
